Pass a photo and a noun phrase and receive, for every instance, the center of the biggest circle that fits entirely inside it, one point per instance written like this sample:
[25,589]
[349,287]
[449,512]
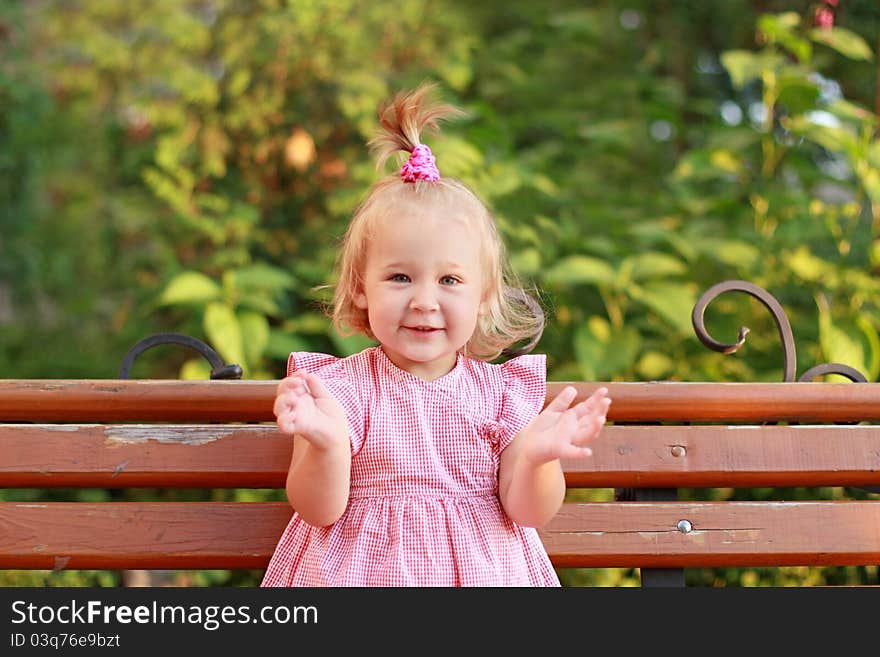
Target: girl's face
[422,290]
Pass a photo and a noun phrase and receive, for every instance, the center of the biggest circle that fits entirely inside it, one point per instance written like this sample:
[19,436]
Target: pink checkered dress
[423,508]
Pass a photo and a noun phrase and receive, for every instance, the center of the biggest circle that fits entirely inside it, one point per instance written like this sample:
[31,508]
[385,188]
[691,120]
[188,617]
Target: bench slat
[109,400]
[723,534]
[128,455]
[730,456]
[257,456]
[243,535]
[75,535]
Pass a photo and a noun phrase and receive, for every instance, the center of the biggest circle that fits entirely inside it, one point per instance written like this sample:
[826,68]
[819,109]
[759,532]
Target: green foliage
[234,313]
[190,166]
[805,170]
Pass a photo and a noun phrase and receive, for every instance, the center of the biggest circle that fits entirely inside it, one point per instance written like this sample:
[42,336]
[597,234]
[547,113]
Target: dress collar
[398,375]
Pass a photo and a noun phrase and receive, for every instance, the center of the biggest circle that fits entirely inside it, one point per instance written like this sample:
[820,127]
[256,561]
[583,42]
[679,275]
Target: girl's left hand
[562,430]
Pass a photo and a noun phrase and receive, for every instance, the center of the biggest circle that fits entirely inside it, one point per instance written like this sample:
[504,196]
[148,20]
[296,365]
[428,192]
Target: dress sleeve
[342,385]
[525,388]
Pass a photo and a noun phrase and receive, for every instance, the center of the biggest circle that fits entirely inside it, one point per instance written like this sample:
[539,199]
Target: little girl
[417,462]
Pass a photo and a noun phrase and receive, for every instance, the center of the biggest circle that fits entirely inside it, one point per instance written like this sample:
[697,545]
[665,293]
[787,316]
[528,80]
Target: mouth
[423,329]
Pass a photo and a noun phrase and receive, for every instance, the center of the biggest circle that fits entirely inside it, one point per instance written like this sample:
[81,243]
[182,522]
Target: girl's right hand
[304,406]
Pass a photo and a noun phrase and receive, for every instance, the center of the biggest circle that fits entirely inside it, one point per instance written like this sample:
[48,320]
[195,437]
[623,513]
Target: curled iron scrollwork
[789,353]
[850,373]
[219,369]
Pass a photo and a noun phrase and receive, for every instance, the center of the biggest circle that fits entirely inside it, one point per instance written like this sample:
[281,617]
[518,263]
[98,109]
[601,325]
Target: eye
[399,278]
[449,280]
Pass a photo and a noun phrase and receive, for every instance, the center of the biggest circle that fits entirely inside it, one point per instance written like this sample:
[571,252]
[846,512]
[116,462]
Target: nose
[424,299]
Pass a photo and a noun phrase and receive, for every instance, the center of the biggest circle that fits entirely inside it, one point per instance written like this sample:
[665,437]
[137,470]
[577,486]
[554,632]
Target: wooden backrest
[219,435]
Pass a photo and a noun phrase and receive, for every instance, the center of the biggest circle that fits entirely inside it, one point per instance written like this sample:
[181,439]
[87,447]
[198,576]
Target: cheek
[383,304]
[468,310]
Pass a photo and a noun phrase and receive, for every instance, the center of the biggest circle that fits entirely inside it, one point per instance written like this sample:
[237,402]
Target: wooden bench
[666,442]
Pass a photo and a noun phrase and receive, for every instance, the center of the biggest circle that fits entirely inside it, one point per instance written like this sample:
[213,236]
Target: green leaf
[195,369]
[654,231]
[871,181]
[806,266]
[726,161]
[742,66]
[579,269]
[280,344]
[359,93]
[461,157]
[734,253]
[544,184]
[835,139]
[841,344]
[672,301]
[653,265]
[602,353]
[580,23]
[778,24]
[850,111]
[874,154]
[254,335]
[612,133]
[654,366]
[456,68]
[261,276]
[261,303]
[872,362]
[705,164]
[526,262]
[224,333]
[588,351]
[499,178]
[780,28]
[190,287]
[256,287]
[238,82]
[307,323]
[683,246]
[797,93]
[847,43]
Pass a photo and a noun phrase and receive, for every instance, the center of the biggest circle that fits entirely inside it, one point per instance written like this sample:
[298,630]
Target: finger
[287,423]
[280,406]
[588,431]
[575,452]
[316,387]
[597,418]
[595,405]
[290,383]
[598,396]
[284,408]
[283,402]
[288,396]
[289,401]
[562,401]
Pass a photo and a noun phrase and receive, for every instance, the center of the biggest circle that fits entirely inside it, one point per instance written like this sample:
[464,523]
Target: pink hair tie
[420,166]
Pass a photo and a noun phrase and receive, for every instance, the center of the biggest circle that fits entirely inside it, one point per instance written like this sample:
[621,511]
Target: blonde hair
[509,313]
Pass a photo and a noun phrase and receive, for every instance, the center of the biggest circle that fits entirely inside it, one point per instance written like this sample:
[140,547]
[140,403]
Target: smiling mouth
[423,329]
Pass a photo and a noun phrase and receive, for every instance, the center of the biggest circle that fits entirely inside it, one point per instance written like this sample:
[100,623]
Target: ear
[360,300]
